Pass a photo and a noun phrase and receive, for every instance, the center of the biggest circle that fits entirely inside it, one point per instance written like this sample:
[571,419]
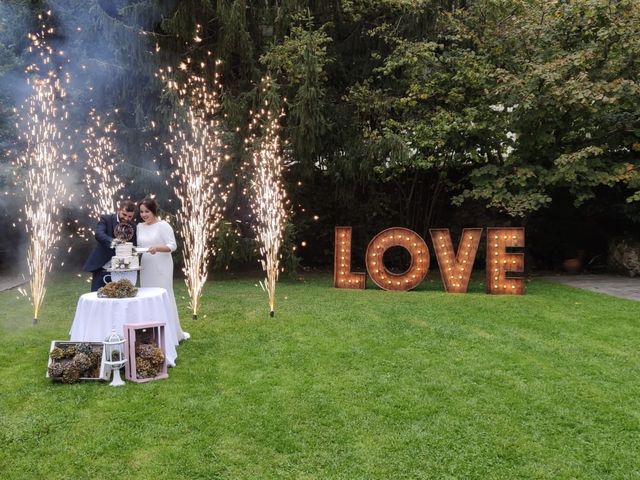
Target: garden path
[7,282]
[616,285]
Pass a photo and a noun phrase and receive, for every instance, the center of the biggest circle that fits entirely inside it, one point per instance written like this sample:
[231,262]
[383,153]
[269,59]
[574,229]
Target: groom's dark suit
[103,251]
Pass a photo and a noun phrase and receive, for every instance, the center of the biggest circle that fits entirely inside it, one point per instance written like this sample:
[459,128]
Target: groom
[100,258]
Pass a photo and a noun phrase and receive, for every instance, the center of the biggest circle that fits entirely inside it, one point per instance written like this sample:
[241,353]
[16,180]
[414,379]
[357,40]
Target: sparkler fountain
[101,164]
[41,165]
[269,195]
[198,154]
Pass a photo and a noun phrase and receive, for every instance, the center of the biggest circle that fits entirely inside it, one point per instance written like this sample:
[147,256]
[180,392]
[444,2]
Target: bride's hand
[152,250]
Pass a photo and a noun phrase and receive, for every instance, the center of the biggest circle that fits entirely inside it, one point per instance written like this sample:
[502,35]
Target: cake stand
[130,274]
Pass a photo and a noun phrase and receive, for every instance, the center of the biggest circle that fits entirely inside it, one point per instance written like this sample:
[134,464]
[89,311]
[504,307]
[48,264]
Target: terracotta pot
[572,265]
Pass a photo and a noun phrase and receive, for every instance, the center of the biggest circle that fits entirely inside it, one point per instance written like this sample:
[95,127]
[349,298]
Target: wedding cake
[125,258]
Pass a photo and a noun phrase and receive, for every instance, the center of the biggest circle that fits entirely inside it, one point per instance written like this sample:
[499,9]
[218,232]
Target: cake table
[96,317]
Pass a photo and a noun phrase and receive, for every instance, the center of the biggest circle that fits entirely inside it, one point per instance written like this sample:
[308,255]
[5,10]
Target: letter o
[397,237]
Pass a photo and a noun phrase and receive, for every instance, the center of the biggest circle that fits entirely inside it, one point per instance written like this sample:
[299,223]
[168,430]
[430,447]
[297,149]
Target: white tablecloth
[96,317]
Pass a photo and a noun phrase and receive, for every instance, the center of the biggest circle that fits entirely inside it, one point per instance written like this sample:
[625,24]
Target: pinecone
[56,354]
[56,370]
[71,373]
[82,361]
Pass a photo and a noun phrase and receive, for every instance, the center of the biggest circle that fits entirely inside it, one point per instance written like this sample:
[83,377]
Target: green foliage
[567,71]
[399,110]
[300,62]
[231,247]
[289,260]
[235,45]
[187,16]
[14,15]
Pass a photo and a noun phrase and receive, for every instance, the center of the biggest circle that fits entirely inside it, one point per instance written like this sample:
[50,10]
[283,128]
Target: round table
[96,317]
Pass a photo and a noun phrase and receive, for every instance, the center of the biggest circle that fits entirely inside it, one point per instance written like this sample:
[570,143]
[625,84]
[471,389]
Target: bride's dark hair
[150,204]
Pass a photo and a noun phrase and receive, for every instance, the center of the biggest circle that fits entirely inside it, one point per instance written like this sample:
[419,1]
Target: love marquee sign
[505,259]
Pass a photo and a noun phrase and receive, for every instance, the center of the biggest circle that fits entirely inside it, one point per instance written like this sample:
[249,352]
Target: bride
[157,264]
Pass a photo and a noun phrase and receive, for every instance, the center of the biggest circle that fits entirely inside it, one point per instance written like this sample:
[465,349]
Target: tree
[566,76]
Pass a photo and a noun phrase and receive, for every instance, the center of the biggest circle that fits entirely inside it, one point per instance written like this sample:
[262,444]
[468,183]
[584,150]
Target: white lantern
[114,353]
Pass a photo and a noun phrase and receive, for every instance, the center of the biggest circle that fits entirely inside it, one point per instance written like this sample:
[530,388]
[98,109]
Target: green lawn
[340,384]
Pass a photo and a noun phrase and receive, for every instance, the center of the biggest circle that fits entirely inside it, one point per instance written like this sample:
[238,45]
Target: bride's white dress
[157,269]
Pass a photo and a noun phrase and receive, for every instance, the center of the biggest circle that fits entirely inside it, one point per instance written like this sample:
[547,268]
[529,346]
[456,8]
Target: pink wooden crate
[151,333]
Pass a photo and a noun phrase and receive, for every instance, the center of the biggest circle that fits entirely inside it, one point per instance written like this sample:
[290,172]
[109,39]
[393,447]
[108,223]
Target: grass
[340,384]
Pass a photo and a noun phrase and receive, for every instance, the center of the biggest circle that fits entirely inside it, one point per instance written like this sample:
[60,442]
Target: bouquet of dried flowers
[71,362]
[120,289]
[149,360]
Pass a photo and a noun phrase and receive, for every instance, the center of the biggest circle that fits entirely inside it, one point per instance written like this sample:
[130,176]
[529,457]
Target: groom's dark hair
[127,206]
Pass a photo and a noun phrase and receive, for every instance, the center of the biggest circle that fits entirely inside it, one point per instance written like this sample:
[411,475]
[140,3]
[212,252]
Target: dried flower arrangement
[146,359]
[149,360]
[120,289]
[70,362]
